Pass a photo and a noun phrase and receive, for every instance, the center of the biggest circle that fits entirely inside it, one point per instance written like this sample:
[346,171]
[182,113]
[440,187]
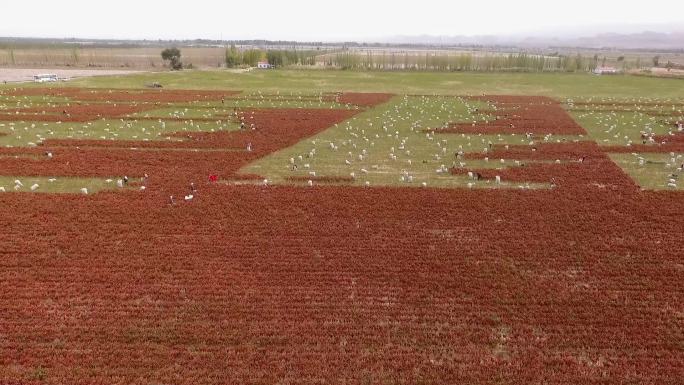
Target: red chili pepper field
[254,282]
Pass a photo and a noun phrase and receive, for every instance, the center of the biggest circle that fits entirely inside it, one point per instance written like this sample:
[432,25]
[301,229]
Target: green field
[653,171]
[28,134]
[456,83]
[44,184]
[385,145]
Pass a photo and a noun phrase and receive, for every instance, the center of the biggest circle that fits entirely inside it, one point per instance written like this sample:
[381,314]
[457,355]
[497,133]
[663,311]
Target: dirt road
[12,75]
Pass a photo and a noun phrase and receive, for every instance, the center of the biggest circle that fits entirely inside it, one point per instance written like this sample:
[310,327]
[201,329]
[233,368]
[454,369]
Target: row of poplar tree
[479,62]
[431,61]
[275,57]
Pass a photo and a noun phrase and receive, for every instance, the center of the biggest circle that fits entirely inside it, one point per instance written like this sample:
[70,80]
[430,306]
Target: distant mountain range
[642,40]
[671,40]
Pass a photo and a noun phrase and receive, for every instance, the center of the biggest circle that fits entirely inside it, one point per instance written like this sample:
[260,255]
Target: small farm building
[605,71]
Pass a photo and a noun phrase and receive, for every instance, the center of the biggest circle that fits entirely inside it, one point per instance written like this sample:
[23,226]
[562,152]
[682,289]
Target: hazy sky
[324,20]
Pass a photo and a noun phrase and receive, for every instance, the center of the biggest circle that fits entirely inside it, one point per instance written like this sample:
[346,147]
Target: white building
[605,71]
[264,65]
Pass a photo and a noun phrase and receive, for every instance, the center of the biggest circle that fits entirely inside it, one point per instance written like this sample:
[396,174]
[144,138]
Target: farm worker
[581,160]
[171,201]
[223,99]
[680,126]
[213,178]
[192,187]
[125,179]
[242,125]
[249,146]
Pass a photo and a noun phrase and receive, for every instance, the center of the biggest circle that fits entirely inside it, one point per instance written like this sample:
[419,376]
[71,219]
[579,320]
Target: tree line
[275,57]
[346,59]
[485,62]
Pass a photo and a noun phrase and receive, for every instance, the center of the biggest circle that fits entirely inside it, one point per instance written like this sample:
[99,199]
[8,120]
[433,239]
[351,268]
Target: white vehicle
[45,78]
